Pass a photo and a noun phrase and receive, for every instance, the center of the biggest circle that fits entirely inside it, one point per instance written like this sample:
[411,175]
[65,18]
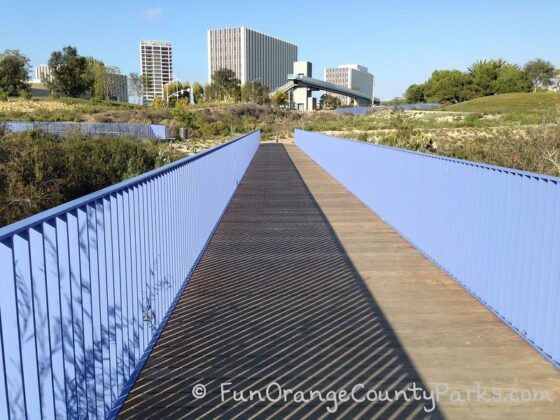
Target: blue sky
[401,42]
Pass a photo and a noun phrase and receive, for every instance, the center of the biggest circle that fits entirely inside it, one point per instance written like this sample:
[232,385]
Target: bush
[38,171]
[103,118]
[25,94]
[473,120]
[3,96]
[182,103]
[158,103]
[363,136]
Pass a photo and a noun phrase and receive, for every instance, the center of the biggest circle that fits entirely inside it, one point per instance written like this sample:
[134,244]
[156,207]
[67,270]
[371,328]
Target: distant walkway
[302,285]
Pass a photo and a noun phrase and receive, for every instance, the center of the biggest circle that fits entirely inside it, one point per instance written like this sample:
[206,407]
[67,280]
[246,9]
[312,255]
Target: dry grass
[534,148]
[30,106]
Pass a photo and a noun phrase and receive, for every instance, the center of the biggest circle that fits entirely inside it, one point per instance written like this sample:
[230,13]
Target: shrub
[363,136]
[158,103]
[25,94]
[472,121]
[3,96]
[103,118]
[38,171]
[182,103]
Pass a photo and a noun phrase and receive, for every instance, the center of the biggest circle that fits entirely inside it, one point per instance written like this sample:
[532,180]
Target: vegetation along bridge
[326,278]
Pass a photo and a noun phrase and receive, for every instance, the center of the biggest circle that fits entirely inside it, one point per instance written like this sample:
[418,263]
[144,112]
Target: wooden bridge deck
[302,285]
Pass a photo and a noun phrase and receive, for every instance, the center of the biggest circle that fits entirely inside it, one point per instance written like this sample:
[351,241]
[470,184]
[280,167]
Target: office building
[252,55]
[352,76]
[43,74]
[156,68]
[116,87]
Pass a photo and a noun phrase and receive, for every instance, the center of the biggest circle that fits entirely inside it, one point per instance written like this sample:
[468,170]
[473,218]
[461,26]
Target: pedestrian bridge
[419,285]
[297,80]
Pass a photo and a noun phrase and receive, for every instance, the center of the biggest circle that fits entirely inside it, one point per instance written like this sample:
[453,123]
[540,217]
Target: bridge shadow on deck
[274,299]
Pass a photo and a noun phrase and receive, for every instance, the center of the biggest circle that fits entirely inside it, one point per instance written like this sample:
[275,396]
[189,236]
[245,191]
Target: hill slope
[509,103]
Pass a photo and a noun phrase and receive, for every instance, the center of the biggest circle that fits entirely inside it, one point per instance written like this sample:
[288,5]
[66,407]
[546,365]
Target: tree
[484,74]
[175,90]
[135,86]
[447,86]
[263,95]
[14,73]
[247,92]
[209,92]
[512,79]
[187,94]
[541,72]
[96,75]
[415,94]
[226,85]
[146,84]
[327,101]
[255,92]
[197,92]
[69,73]
[279,99]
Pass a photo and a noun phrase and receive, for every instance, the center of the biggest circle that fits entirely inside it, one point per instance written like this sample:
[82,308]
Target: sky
[400,41]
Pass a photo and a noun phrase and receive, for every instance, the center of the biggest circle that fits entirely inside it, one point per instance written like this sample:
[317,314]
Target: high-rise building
[352,76]
[157,68]
[252,55]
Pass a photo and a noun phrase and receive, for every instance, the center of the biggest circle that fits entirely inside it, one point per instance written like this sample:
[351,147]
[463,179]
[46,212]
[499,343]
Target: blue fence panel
[403,107]
[495,230]
[87,286]
[139,131]
[359,110]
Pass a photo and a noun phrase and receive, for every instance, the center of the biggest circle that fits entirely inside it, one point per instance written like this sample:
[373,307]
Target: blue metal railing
[86,286]
[403,107]
[139,131]
[495,230]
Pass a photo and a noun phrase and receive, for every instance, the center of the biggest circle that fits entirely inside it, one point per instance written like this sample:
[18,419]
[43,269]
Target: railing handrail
[497,238]
[78,123]
[32,221]
[498,168]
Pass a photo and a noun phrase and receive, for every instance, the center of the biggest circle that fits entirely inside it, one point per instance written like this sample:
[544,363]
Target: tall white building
[352,76]
[43,74]
[252,55]
[157,68]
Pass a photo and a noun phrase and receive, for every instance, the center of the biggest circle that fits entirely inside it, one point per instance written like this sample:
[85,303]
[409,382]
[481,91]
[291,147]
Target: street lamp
[177,92]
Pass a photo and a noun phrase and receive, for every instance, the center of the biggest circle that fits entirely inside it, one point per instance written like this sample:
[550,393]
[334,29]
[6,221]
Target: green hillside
[509,103]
